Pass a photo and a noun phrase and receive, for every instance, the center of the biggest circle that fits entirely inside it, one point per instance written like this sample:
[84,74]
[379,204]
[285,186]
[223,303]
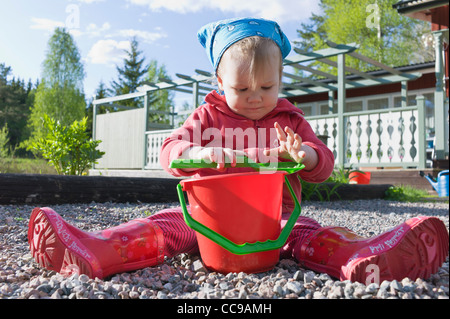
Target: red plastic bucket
[359,177]
[244,208]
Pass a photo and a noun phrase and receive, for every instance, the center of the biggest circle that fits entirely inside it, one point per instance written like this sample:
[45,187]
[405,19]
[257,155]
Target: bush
[68,149]
[4,139]
[405,193]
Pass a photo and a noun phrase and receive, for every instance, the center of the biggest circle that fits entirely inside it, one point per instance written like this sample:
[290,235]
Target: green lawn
[25,166]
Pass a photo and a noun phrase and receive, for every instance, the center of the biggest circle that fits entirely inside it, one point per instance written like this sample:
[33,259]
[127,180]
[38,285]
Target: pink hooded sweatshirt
[214,124]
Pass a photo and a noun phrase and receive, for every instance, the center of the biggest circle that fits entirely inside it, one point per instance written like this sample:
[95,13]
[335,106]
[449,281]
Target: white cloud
[45,24]
[90,1]
[146,36]
[108,52]
[279,10]
[94,31]
[49,25]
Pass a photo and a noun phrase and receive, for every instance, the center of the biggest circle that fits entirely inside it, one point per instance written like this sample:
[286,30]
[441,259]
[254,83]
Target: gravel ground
[184,277]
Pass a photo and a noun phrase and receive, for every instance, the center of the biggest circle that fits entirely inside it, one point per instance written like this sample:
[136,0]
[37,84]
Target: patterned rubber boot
[57,245]
[414,249]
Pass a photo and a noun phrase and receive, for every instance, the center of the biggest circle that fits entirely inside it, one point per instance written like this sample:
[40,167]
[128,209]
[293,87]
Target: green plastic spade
[241,161]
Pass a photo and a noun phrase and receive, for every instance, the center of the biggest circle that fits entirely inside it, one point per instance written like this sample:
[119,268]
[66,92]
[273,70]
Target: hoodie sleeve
[325,164]
[181,139]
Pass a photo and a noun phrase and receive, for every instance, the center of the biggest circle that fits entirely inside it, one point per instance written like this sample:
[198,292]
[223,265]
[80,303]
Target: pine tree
[131,74]
[161,100]
[16,98]
[60,92]
[100,93]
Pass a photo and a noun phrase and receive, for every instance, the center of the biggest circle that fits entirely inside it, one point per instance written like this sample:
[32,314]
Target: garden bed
[60,189]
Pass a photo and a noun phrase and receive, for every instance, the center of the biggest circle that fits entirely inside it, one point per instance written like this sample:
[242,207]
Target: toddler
[244,117]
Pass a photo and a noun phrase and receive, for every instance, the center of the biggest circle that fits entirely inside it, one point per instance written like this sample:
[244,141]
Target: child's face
[243,98]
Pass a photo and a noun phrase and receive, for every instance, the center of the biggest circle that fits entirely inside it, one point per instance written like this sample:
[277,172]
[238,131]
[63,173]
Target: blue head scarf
[218,36]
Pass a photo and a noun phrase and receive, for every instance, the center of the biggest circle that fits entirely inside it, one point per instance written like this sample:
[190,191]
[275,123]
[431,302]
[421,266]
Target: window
[306,109]
[353,106]
[324,109]
[410,101]
[429,112]
[378,104]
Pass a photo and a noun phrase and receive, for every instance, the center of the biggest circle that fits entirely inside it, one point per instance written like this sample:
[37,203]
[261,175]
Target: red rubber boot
[416,248]
[58,246]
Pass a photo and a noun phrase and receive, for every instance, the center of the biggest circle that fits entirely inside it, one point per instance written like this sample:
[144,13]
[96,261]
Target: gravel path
[184,277]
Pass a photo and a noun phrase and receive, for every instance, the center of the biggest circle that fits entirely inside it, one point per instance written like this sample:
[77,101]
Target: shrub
[4,139]
[68,149]
[405,193]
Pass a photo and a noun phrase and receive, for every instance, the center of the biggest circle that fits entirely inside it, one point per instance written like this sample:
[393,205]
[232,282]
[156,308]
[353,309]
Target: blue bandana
[218,36]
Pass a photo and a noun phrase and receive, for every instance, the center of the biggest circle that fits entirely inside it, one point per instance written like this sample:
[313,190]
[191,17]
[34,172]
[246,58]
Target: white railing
[155,140]
[393,137]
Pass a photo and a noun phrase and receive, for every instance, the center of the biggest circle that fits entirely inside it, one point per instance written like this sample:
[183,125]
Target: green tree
[131,74]
[16,98]
[100,93]
[380,31]
[60,93]
[161,100]
[135,73]
[4,140]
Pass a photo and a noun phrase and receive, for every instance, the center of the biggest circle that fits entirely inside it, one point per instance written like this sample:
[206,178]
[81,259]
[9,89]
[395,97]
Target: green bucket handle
[246,248]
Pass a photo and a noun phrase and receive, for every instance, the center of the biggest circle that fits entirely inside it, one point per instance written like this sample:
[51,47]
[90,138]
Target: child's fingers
[223,155]
[280,133]
[289,131]
[290,140]
[272,152]
[299,156]
[212,155]
[217,156]
[298,142]
[231,155]
[239,153]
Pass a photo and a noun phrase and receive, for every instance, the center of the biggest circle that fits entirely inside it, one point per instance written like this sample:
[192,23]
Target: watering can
[237,216]
[440,184]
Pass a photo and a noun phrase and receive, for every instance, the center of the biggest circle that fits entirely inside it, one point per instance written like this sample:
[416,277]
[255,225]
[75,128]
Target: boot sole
[417,253]
[54,247]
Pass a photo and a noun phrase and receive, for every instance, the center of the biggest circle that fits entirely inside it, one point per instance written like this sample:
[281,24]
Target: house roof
[411,6]
[425,67]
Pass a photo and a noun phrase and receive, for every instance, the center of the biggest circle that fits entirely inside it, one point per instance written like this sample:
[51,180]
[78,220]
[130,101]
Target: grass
[14,165]
[406,193]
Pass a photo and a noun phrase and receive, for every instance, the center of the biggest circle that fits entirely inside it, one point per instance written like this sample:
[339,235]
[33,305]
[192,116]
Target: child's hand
[217,155]
[290,145]
[292,148]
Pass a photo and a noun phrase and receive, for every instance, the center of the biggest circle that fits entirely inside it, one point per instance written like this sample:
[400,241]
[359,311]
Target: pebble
[185,276]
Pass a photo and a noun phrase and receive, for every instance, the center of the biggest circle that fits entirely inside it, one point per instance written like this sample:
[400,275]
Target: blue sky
[165,29]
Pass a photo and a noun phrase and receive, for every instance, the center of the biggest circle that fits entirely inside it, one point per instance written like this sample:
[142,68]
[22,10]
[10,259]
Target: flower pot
[359,177]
